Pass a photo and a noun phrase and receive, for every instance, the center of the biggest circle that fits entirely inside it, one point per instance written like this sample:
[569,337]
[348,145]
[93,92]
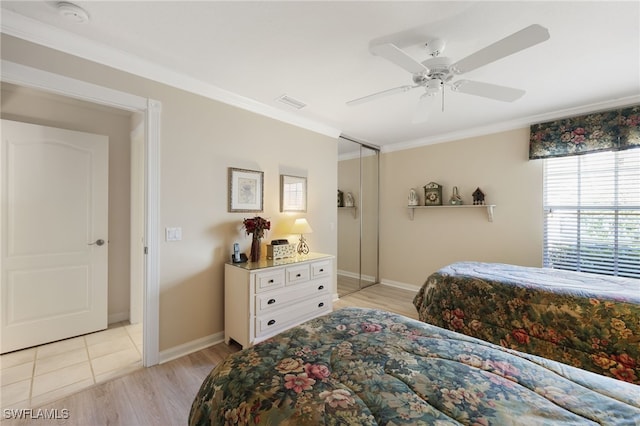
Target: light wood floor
[162,395]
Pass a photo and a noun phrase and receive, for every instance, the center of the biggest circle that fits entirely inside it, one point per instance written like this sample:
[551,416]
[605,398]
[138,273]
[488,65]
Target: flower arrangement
[256,226]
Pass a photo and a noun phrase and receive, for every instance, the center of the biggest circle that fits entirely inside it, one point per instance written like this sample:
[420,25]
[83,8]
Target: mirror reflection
[358,250]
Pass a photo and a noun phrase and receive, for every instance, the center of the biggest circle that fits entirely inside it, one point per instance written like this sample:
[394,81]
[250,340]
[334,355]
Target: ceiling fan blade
[397,56]
[382,94]
[487,90]
[509,45]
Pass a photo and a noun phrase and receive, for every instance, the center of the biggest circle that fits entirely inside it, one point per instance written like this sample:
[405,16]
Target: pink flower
[370,328]
[337,398]
[298,383]
[317,371]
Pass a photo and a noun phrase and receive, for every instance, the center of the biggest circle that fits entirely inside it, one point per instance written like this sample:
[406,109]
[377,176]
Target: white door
[54,216]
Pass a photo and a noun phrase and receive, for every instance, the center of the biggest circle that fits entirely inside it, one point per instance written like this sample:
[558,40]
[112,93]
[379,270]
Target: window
[592,213]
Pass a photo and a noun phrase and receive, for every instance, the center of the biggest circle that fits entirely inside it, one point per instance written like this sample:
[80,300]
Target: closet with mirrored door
[358,209]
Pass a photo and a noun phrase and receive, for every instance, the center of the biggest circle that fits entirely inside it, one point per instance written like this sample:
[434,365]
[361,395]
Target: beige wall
[35,107]
[200,139]
[498,164]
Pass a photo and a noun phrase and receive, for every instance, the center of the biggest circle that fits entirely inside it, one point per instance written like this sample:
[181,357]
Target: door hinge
[146,250]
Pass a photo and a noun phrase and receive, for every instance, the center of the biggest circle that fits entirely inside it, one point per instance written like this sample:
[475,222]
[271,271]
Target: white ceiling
[251,53]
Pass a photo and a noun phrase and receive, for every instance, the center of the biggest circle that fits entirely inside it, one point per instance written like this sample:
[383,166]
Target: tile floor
[35,376]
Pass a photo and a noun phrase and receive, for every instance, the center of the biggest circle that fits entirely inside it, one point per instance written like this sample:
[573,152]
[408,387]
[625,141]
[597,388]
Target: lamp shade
[301,226]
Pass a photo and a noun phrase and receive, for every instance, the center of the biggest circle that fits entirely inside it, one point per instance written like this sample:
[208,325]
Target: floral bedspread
[367,367]
[584,320]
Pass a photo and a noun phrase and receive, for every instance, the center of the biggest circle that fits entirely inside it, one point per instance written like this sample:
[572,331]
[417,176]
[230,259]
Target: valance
[603,131]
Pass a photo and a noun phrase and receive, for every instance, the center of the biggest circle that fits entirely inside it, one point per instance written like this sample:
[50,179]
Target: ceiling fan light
[433,87]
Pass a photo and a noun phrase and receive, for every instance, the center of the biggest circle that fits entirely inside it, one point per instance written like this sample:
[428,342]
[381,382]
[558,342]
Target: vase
[255,249]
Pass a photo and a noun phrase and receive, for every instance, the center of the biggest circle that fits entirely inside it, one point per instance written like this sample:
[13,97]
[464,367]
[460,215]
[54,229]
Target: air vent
[288,100]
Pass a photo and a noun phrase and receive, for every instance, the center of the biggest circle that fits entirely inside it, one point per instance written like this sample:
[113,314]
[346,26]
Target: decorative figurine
[432,194]
[413,197]
[456,199]
[348,201]
[340,198]
[478,197]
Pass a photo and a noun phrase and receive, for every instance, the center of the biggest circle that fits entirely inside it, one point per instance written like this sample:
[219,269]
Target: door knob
[98,243]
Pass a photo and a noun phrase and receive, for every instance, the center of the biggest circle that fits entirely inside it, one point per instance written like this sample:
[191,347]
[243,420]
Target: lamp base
[302,248]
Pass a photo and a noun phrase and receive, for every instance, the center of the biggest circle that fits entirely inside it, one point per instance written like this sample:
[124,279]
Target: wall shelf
[352,208]
[488,207]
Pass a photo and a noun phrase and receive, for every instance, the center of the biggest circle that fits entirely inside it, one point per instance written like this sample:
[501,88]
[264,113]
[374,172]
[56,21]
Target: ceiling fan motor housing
[439,67]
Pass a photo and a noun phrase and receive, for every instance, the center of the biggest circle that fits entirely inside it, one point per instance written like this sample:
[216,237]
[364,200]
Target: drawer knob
[321,269]
[298,275]
[320,287]
[271,301]
[320,305]
[271,281]
[271,322]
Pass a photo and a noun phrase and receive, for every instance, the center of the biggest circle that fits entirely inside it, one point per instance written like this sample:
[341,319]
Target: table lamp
[301,226]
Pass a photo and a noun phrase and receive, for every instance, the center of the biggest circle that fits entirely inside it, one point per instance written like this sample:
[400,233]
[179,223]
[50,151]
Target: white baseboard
[401,285]
[118,317]
[355,275]
[348,274]
[190,347]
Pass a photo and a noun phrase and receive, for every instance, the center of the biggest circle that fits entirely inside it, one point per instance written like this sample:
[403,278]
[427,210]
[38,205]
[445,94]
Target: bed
[584,320]
[359,366]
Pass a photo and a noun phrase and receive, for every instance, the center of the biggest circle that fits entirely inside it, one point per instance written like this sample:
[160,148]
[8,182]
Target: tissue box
[281,251]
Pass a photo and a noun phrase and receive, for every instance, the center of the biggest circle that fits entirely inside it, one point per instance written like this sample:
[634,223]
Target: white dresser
[264,298]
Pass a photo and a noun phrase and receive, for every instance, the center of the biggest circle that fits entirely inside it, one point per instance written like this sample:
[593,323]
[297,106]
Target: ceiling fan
[437,71]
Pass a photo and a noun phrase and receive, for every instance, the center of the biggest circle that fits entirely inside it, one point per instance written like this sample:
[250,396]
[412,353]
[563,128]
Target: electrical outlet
[173,234]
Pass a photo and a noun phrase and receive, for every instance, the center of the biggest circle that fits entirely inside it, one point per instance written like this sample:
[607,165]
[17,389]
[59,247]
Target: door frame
[23,75]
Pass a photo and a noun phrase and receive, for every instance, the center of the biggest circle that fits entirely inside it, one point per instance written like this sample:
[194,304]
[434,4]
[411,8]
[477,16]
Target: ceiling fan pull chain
[443,98]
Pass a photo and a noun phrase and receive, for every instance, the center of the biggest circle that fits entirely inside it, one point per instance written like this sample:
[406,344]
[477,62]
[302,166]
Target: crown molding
[34,31]
[46,35]
[513,124]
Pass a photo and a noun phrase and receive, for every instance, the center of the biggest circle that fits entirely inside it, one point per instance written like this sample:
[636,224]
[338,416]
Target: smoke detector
[72,12]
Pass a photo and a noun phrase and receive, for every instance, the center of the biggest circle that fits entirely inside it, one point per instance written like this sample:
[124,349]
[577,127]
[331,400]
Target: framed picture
[245,190]
[293,194]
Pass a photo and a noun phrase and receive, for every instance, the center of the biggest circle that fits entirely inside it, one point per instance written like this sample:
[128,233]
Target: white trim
[348,274]
[151,312]
[34,31]
[511,125]
[23,75]
[46,81]
[398,284]
[191,347]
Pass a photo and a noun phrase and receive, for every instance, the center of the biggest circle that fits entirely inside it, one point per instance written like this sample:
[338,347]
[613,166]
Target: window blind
[592,213]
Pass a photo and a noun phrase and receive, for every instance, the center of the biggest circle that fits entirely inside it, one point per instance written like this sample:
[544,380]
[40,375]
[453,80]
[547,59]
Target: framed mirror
[293,193]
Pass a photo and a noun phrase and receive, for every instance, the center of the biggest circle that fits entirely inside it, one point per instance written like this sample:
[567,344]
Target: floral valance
[603,131]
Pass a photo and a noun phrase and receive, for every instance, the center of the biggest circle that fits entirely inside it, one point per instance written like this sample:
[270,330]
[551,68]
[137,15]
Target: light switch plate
[173,234]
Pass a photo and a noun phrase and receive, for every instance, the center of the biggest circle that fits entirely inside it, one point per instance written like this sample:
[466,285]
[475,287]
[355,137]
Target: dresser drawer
[279,320]
[320,269]
[276,299]
[269,280]
[297,274]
